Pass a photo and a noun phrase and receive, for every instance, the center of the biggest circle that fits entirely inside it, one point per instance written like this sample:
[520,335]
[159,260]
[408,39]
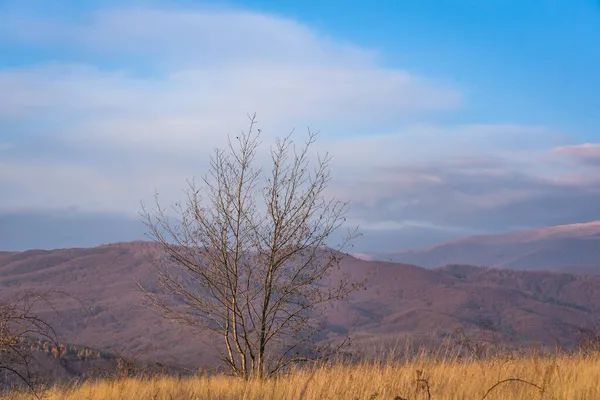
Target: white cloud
[150,92]
[207,68]
[416,144]
[391,225]
[365,171]
[190,35]
[586,153]
[194,105]
[27,185]
[179,81]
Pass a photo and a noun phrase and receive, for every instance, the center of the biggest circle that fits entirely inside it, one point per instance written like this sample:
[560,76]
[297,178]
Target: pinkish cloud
[587,153]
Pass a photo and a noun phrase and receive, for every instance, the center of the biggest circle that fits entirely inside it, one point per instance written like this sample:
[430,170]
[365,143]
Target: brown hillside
[401,301]
[574,247]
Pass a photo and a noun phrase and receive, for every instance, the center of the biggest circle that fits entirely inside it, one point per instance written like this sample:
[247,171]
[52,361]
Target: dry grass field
[562,377]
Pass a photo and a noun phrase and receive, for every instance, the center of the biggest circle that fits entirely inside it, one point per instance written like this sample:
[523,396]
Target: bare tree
[249,259]
[19,328]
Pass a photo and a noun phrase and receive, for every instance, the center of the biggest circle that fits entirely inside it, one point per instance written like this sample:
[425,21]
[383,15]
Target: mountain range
[573,248]
[98,304]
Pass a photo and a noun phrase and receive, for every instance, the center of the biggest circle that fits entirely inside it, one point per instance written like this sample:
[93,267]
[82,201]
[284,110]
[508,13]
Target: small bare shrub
[19,326]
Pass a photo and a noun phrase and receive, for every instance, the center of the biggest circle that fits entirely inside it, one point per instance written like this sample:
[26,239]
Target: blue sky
[445,118]
[531,61]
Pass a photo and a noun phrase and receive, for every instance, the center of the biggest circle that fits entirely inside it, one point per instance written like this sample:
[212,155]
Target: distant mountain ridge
[574,247]
[401,302]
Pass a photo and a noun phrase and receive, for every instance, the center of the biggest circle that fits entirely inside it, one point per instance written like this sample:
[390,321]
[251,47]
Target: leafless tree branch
[248,260]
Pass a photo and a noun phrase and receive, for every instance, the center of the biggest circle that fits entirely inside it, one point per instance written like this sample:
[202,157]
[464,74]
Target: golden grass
[564,377]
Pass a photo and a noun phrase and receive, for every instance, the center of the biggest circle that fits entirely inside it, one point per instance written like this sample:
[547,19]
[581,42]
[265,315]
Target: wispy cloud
[192,107]
[191,72]
[186,36]
[506,196]
[204,80]
[587,153]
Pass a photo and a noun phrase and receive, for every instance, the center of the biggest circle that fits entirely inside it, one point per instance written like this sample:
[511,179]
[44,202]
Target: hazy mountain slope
[558,248]
[521,307]
[400,301]
[104,308]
